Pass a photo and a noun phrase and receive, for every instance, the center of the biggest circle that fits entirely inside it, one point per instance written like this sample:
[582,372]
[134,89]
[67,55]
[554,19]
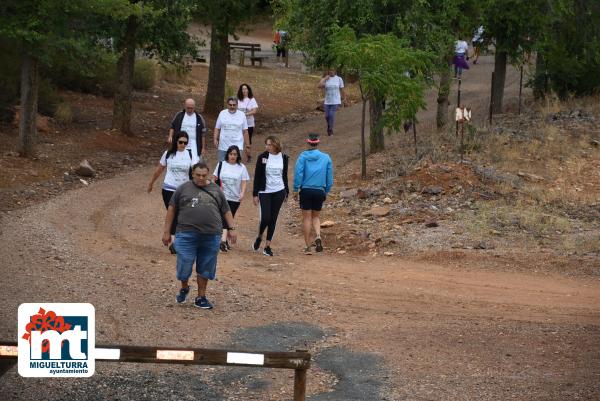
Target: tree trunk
[376,138]
[29,105]
[217,71]
[441,118]
[363,144]
[125,65]
[498,84]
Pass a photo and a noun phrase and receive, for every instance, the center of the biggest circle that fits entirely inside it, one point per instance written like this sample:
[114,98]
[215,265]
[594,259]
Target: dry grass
[519,218]
[279,92]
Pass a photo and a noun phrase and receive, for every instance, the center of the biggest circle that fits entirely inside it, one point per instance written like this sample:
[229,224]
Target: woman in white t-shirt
[178,162]
[232,176]
[334,96]
[247,104]
[270,190]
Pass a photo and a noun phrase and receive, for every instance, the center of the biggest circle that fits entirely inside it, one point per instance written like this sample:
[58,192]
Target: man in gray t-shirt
[201,208]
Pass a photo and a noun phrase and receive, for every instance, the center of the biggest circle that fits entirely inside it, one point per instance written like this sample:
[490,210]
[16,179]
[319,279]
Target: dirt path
[411,330]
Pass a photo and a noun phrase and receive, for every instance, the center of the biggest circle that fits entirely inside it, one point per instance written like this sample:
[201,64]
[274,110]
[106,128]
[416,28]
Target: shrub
[144,74]
[97,77]
[9,80]
[174,74]
[48,97]
[63,113]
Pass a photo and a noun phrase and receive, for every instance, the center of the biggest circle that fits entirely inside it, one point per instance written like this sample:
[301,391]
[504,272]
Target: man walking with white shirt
[191,122]
[231,129]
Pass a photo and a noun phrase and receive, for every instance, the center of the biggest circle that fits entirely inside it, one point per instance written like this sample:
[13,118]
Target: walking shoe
[307,250]
[227,245]
[223,246]
[329,132]
[267,251]
[256,245]
[172,250]
[318,245]
[183,293]
[202,303]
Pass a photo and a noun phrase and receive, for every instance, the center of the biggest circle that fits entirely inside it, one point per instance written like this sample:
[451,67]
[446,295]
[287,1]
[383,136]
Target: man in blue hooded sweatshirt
[313,178]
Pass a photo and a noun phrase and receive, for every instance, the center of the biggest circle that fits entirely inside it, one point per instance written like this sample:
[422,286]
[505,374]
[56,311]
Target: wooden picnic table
[252,47]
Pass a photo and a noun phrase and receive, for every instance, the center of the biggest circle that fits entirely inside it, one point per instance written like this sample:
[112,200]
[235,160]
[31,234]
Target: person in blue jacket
[313,178]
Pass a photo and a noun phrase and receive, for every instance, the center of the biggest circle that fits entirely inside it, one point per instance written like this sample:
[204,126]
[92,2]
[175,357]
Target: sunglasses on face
[231,105]
[182,142]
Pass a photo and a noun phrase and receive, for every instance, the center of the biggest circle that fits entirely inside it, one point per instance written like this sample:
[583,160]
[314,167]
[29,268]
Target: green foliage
[571,47]
[514,26]
[43,28]
[9,79]
[312,23]
[99,75]
[144,74]
[434,26]
[386,69]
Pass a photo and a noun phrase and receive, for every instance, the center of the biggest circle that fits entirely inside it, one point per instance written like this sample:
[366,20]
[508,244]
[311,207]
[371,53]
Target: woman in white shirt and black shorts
[178,161]
[270,190]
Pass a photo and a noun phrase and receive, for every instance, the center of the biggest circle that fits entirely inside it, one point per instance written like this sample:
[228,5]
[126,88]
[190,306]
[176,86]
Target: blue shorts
[311,199]
[200,248]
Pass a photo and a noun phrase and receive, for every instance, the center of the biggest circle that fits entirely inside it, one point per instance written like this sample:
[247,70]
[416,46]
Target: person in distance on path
[334,96]
[313,178]
[201,207]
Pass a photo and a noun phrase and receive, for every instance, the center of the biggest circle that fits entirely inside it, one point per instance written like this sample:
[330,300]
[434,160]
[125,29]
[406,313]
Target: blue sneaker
[182,296]
[202,303]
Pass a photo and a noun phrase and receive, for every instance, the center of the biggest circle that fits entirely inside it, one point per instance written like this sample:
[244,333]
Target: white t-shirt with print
[461,47]
[188,124]
[332,90]
[246,105]
[231,177]
[274,174]
[232,126]
[178,169]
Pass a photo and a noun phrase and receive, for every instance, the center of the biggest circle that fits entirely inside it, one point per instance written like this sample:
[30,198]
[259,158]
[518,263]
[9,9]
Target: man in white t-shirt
[334,91]
[231,129]
[191,122]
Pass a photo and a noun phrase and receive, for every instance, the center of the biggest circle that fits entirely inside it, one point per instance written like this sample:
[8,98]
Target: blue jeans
[193,247]
[330,110]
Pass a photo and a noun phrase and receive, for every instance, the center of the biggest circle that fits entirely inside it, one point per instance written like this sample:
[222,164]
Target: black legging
[167,198]
[250,132]
[270,203]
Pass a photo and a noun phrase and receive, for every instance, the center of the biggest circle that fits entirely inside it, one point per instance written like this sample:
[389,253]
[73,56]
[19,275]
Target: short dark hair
[200,165]
[240,95]
[232,99]
[238,160]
